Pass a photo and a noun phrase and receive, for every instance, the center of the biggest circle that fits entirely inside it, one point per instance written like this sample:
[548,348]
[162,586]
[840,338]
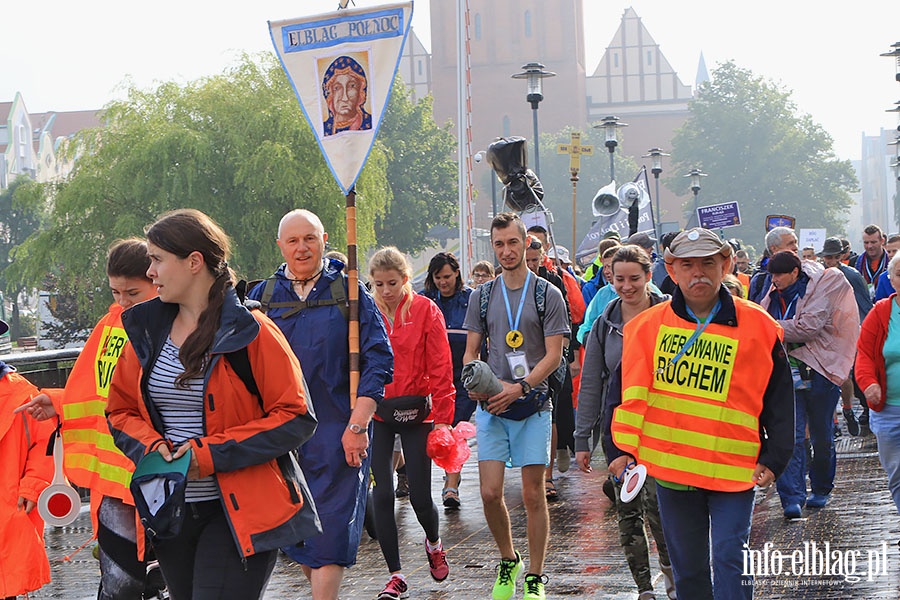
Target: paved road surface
[584,559]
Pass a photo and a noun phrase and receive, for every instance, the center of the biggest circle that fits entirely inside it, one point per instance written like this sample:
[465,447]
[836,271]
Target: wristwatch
[526,387]
[356,428]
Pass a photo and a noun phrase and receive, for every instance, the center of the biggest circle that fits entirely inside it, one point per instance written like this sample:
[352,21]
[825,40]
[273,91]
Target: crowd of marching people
[238,423]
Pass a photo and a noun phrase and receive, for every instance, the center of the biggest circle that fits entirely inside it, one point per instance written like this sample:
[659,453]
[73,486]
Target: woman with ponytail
[420,398]
[179,388]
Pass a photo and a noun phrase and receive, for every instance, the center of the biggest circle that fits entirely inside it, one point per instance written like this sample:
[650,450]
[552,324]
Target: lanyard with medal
[518,365]
[701,327]
[873,277]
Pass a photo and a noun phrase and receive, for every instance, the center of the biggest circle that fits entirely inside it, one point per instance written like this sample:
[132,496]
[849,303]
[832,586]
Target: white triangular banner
[342,66]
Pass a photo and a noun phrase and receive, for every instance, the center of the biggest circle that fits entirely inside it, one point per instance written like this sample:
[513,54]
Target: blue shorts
[516,443]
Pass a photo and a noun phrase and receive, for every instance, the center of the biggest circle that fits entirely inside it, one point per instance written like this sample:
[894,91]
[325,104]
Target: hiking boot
[437,562]
[852,422]
[563,460]
[507,572]
[395,589]
[609,488]
[402,490]
[534,587]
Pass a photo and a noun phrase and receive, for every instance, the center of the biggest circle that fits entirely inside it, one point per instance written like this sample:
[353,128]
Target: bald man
[306,298]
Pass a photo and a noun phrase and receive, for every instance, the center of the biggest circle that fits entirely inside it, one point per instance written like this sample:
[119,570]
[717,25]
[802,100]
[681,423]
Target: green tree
[21,209]
[746,133]
[421,171]
[235,146]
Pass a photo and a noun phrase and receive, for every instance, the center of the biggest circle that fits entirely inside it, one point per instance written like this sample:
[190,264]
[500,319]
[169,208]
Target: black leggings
[418,472]
[203,563]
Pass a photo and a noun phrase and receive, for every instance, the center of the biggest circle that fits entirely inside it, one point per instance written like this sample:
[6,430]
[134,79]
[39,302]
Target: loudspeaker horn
[606,203]
[630,193]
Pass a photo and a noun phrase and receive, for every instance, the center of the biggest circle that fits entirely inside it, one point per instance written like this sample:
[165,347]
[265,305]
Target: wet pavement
[860,527]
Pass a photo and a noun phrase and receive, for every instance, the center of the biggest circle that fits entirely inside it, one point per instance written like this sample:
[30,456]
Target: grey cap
[644,240]
[831,247]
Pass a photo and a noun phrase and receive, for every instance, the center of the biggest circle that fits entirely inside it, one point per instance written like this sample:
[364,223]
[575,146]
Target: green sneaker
[507,572]
[534,587]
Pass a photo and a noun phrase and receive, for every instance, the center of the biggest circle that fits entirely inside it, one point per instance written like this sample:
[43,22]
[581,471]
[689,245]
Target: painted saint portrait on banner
[345,94]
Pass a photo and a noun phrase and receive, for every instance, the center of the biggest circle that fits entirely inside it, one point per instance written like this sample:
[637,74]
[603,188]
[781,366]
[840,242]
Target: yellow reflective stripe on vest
[86,408]
[691,408]
[635,392]
[626,440]
[92,437]
[704,441]
[694,467]
[108,472]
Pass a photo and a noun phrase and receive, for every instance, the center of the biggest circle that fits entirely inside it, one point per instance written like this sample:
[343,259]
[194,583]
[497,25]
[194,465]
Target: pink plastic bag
[449,449]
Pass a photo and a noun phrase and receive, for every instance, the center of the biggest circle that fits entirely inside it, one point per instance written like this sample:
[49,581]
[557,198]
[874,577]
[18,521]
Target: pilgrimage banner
[342,66]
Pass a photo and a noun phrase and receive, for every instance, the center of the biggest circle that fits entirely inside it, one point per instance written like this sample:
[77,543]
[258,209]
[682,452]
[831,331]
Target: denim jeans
[886,427]
[690,520]
[815,407]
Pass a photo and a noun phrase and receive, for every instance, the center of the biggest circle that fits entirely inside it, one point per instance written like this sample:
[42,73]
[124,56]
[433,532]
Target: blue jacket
[592,286]
[454,310]
[883,290]
[861,291]
[318,337]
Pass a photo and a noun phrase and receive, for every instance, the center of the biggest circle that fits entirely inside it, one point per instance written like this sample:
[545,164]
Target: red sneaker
[437,562]
[395,589]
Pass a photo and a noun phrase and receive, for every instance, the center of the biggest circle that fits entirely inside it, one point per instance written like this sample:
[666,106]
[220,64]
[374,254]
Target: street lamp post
[695,176]
[895,52]
[610,126]
[655,155]
[533,73]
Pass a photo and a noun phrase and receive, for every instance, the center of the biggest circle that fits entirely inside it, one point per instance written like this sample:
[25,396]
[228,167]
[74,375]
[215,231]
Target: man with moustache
[304,299]
[703,375]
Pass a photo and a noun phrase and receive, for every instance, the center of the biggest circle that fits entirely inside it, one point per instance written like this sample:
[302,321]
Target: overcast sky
[76,55]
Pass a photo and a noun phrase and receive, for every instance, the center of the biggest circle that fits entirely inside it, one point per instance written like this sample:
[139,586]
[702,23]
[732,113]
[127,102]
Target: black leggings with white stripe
[418,472]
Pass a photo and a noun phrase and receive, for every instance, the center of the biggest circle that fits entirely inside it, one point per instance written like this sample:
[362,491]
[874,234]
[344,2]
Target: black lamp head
[507,157]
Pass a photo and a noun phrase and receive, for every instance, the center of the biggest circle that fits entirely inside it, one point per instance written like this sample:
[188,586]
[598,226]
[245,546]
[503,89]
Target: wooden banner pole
[353,296]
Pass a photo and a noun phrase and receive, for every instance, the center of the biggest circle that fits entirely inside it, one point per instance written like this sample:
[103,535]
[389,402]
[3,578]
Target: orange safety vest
[92,459]
[745,282]
[695,423]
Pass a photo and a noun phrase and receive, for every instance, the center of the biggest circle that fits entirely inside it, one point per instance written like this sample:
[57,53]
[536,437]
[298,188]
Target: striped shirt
[181,409]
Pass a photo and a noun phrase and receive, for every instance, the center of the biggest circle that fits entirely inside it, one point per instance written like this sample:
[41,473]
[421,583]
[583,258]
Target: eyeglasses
[480,276]
[535,245]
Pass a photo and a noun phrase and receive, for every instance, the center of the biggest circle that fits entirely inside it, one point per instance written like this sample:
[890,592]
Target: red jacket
[244,435]
[422,361]
[25,470]
[869,367]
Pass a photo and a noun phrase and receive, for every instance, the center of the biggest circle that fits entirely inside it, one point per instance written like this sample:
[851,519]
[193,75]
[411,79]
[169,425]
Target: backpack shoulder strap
[266,297]
[484,297]
[339,295]
[540,298]
[240,362]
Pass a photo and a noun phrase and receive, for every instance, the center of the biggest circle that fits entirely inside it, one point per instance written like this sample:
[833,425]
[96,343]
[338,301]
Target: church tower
[504,35]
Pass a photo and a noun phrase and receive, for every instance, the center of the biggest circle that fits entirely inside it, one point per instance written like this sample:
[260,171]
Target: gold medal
[514,338]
